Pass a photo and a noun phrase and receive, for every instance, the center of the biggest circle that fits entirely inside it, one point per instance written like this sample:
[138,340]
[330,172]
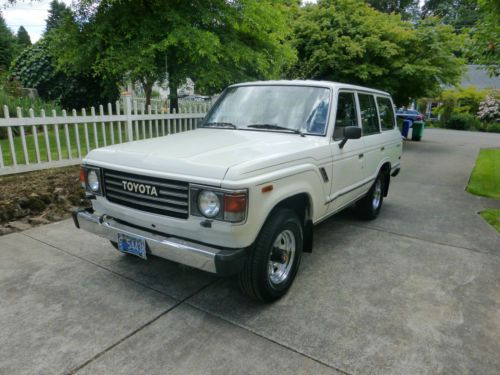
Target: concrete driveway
[415,292]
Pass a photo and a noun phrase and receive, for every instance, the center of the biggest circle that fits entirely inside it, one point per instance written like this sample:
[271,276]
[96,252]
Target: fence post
[128,112]
[77,137]
[11,138]
[46,136]
[35,137]
[1,158]
[118,112]
[111,124]
[66,134]
[103,125]
[86,131]
[23,137]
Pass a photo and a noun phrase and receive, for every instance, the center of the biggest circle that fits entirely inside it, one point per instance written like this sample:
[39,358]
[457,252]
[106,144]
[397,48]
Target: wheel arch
[385,168]
[302,205]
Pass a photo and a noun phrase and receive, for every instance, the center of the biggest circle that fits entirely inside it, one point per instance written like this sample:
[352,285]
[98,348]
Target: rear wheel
[369,207]
[275,257]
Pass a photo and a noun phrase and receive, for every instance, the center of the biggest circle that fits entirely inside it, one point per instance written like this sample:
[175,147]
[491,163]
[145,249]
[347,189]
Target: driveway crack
[247,329]
[134,332]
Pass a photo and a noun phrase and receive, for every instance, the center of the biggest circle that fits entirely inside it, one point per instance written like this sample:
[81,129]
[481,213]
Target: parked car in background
[409,114]
[242,193]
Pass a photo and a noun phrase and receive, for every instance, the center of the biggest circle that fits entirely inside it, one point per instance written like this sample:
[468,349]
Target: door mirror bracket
[350,132]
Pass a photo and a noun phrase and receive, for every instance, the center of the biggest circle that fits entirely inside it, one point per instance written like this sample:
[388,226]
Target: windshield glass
[300,109]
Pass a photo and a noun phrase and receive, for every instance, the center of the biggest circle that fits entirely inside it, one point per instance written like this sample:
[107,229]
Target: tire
[274,258]
[370,205]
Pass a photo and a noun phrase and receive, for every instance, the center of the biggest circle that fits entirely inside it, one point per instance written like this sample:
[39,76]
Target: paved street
[415,292]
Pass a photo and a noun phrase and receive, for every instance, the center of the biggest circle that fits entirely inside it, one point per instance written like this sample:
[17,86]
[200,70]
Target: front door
[348,162]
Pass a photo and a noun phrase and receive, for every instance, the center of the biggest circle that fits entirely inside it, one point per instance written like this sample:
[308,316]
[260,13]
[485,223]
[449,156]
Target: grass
[492,217]
[485,178]
[485,181]
[66,152]
[71,151]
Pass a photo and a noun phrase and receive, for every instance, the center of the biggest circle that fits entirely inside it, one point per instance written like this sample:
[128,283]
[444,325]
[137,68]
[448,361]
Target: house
[476,76]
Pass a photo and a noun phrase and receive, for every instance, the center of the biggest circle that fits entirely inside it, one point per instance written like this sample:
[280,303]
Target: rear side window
[387,121]
[369,117]
[346,114]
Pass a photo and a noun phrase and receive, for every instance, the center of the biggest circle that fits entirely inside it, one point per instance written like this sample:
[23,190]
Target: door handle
[360,156]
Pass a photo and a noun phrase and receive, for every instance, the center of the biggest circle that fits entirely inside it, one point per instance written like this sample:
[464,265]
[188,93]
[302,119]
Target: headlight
[208,203]
[93,181]
[218,204]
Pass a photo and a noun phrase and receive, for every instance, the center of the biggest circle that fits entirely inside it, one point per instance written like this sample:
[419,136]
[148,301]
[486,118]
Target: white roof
[328,84]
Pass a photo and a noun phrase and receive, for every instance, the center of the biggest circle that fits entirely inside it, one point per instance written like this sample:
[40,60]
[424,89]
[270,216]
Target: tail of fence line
[32,141]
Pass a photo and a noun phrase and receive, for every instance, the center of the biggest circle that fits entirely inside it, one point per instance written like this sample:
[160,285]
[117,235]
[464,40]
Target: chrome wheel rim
[377,194]
[281,257]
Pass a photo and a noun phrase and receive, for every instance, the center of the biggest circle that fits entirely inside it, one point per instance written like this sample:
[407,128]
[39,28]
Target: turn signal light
[235,207]
[82,177]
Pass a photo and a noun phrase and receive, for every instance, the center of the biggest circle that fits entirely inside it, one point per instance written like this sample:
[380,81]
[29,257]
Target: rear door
[390,132]
[372,138]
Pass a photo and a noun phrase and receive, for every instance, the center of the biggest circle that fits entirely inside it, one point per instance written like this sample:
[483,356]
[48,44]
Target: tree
[34,68]
[23,38]
[485,47]
[214,42]
[58,11]
[404,7]
[348,41]
[461,14]
[7,45]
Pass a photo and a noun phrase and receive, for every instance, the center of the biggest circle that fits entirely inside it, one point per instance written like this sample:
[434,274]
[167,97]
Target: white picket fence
[39,142]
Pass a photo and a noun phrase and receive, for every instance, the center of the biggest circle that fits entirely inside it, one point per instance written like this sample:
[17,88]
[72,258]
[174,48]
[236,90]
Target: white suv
[242,193]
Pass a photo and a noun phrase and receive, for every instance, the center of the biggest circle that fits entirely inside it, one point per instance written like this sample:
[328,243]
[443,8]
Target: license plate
[132,245]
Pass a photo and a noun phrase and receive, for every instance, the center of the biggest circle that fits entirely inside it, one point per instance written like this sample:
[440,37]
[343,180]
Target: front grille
[151,194]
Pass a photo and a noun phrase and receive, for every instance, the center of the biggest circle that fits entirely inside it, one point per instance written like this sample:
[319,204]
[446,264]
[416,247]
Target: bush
[35,68]
[489,108]
[460,100]
[25,104]
[489,127]
[463,121]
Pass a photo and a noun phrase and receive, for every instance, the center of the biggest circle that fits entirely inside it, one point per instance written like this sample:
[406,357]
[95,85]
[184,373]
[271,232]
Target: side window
[346,114]
[369,118]
[387,121]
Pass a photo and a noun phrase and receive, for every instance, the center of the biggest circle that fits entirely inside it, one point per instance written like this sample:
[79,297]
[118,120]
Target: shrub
[489,127]
[489,108]
[460,100]
[25,104]
[35,68]
[463,121]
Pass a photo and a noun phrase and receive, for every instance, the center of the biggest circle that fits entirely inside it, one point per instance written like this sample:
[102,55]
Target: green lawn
[485,178]
[492,217]
[65,154]
[485,181]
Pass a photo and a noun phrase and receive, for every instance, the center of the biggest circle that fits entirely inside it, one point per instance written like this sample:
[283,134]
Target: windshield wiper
[219,125]
[275,127]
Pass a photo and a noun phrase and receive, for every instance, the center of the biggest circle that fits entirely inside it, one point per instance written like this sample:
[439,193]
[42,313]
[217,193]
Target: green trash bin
[417,130]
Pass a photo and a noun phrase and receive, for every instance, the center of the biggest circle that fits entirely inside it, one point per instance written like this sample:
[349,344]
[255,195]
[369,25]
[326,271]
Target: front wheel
[274,260]
[369,207]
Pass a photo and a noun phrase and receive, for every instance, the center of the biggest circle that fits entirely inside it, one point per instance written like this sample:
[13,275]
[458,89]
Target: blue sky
[30,14]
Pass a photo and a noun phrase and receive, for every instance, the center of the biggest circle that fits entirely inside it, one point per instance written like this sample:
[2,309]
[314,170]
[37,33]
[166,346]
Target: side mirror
[350,132]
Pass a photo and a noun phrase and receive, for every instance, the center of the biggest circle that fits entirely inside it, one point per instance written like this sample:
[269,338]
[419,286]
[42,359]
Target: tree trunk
[174,100]
[148,91]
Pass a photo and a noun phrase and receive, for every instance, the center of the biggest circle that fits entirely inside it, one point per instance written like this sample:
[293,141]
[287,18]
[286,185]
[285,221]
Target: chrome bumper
[222,262]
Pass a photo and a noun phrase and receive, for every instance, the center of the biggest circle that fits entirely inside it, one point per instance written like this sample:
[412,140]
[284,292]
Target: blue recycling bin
[406,128]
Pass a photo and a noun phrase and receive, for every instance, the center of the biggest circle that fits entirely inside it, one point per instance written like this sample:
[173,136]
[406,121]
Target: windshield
[298,109]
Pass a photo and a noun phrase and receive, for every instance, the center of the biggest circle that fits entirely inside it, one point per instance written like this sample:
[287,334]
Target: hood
[204,153]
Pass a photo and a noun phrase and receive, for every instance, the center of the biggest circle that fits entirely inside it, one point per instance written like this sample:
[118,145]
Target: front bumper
[223,262]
